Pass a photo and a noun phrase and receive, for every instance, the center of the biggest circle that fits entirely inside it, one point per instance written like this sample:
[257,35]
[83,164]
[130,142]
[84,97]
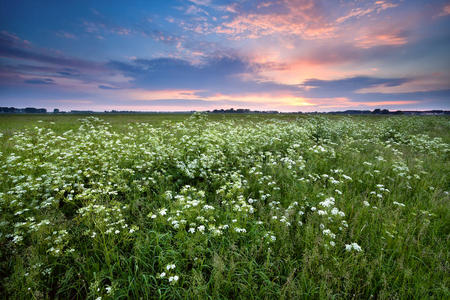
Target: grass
[243,206]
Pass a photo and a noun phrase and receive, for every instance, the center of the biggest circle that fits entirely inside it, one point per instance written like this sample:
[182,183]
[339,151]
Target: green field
[224,206]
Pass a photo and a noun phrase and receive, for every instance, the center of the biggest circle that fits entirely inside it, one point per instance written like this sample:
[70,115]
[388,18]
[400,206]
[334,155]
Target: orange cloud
[302,19]
[445,11]
[297,71]
[378,6]
[255,26]
[384,39]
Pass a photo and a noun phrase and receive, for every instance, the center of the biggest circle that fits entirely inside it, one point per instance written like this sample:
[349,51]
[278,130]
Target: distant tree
[376,111]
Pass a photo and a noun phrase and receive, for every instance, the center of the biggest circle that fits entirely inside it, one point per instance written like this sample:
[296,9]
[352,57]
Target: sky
[285,55]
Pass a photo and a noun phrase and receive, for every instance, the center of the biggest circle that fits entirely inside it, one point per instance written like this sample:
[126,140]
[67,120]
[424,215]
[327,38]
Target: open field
[224,206]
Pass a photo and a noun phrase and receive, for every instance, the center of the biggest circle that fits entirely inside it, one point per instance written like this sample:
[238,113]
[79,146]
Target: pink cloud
[380,39]
[302,18]
[254,26]
[445,11]
[66,35]
[13,37]
[270,65]
[355,13]
[377,7]
[383,5]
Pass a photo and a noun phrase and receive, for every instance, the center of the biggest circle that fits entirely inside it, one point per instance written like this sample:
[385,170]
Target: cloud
[354,13]
[17,49]
[165,72]
[383,5]
[280,54]
[8,39]
[380,39]
[160,36]
[121,31]
[358,91]
[39,81]
[315,94]
[68,72]
[184,104]
[106,87]
[445,11]
[100,28]
[291,41]
[346,86]
[359,12]
[24,54]
[436,96]
[29,64]
[194,10]
[201,2]
[326,60]
[72,101]
[165,94]
[225,74]
[66,35]
[304,18]
[355,83]
[92,27]
[51,70]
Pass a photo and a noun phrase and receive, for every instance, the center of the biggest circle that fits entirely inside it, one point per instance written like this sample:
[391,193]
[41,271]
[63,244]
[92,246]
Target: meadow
[224,207]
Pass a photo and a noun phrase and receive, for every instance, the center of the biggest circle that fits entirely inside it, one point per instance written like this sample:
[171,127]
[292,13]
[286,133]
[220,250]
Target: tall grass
[210,207]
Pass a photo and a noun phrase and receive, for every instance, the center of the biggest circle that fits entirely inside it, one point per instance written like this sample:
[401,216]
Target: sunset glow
[286,55]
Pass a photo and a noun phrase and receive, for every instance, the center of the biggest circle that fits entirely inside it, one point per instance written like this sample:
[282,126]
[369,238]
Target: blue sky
[298,55]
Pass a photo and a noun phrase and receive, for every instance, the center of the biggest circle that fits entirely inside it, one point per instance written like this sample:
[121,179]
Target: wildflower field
[222,207]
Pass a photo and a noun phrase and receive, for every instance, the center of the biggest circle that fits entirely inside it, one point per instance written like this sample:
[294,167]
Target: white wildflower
[353,246]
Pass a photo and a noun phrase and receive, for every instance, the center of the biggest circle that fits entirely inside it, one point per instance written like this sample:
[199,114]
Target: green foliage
[242,207]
